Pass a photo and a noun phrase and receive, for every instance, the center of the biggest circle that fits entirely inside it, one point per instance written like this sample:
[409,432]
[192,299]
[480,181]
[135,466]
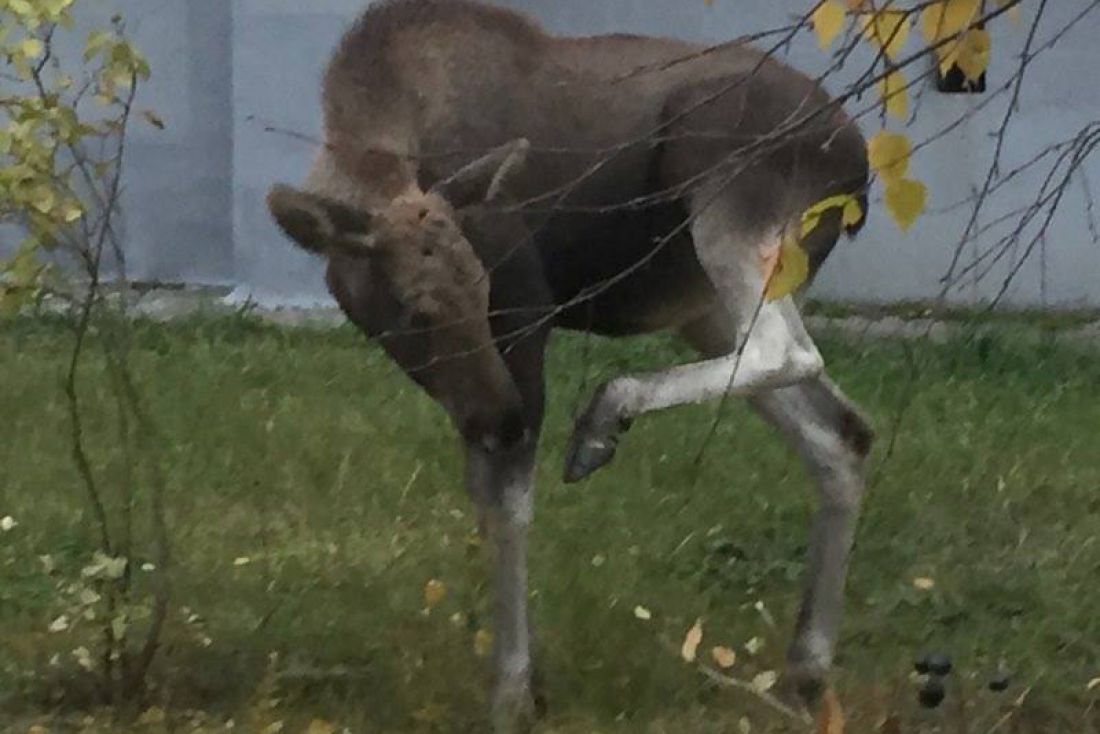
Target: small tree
[63,131]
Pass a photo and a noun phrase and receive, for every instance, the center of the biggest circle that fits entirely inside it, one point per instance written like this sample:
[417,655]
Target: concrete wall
[177,219]
[224,70]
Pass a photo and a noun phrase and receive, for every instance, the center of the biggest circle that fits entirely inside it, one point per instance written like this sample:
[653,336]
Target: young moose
[483,182]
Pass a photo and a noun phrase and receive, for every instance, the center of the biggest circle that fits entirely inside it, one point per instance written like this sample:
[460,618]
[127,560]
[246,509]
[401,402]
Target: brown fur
[427,104]
[418,88]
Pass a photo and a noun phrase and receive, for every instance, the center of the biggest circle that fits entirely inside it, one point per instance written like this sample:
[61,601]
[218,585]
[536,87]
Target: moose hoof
[805,682]
[586,456]
[514,712]
[595,436]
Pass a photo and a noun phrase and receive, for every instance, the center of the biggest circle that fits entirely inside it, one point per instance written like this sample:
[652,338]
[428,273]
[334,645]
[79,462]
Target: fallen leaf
[483,643]
[1094,683]
[754,646]
[642,613]
[83,658]
[8,523]
[434,593]
[830,717]
[763,682]
[60,624]
[320,726]
[723,657]
[151,715]
[691,641]
[242,561]
[924,583]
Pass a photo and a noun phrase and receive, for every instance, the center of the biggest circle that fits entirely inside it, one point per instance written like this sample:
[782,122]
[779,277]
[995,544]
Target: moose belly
[625,272]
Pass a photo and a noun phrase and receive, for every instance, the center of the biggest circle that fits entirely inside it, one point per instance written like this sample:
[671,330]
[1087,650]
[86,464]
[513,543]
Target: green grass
[308,453]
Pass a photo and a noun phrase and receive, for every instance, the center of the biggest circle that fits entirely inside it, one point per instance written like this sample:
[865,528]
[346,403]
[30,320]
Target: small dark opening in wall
[955,82]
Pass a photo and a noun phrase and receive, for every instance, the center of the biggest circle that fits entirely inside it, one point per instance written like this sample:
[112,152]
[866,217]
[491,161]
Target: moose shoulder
[483,182]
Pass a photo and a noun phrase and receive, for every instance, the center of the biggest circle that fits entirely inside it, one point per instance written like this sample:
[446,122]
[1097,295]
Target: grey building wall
[177,215]
[226,70]
[179,181]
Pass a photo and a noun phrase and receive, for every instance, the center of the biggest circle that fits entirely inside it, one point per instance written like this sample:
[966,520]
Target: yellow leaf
[31,48]
[828,21]
[958,14]
[924,583]
[320,726]
[790,270]
[1013,12]
[973,53]
[895,94]
[888,153]
[889,29]
[723,657]
[483,643]
[691,641]
[434,593]
[905,198]
[71,211]
[44,199]
[812,216]
[22,8]
[853,213]
[947,18]
[830,717]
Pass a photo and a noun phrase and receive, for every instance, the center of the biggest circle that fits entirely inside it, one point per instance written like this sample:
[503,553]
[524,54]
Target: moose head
[408,277]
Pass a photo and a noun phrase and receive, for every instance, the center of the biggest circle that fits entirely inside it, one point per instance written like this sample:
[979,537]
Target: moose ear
[482,180]
[319,224]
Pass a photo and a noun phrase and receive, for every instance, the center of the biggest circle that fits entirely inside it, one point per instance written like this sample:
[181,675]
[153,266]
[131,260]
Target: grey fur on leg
[502,483]
[833,439]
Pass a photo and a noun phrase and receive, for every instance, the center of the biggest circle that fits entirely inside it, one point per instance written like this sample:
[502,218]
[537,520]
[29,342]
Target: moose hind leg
[770,349]
[833,439]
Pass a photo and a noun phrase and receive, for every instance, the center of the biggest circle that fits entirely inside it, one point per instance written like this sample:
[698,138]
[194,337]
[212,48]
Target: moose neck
[368,178]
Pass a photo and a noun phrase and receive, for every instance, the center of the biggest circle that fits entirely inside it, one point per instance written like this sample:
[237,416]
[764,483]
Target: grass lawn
[313,492]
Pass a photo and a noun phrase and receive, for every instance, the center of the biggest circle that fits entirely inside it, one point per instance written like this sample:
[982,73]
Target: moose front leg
[501,483]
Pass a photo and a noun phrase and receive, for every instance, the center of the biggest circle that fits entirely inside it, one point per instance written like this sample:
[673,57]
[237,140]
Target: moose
[483,182]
